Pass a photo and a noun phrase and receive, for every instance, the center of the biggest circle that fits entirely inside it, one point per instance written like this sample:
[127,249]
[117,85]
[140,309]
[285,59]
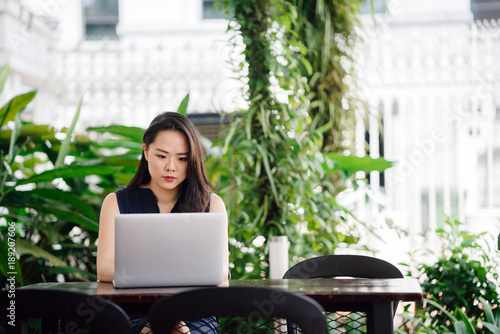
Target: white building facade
[431,77]
[428,70]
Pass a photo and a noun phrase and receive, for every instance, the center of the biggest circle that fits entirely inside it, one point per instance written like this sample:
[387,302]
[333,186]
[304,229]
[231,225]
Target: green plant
[461,286]
[268,172]
[461,322]
[322,35]
[492,322]
[463,272]
[272,173]
[51,190]
[257,152]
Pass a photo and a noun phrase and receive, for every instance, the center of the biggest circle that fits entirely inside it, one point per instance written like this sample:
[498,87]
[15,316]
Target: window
[485,9]
[378,6]
[208,12]
[100,18]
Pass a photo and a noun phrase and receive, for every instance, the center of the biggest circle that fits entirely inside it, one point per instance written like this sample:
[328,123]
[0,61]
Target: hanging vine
[271,174]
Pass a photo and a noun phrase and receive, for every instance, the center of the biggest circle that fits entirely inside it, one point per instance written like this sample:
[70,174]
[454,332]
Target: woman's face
[167,158]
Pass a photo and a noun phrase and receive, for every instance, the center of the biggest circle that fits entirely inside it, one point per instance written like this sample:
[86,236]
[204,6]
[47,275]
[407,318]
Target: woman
[170,178]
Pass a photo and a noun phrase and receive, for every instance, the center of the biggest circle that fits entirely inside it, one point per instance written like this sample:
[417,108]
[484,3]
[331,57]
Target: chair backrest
[64,311]
[359,266]
[250,302]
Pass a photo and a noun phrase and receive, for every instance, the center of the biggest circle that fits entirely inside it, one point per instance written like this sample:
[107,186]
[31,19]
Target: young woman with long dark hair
[171,177]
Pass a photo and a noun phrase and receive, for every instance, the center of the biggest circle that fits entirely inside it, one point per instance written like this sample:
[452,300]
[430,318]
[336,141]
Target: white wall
[158,15]
[25,36]
[430,6]
[66,12]
[70,31]
[136,17]
[154,15]
[425,11]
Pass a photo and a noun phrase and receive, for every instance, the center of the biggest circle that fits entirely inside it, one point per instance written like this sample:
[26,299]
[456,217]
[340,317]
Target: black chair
[328,266]
[258,307]
[354,266]
[61,311]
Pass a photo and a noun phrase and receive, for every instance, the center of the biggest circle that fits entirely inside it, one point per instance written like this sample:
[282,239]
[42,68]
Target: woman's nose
[170,165]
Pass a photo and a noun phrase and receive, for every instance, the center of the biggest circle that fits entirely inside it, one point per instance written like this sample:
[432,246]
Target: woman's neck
[165,199]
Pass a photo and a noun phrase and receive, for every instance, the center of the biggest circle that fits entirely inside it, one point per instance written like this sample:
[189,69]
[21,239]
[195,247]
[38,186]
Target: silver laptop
[173,249]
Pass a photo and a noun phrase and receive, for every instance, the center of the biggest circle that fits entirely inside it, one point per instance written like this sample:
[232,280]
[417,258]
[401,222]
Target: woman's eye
[160,156]
[183,159]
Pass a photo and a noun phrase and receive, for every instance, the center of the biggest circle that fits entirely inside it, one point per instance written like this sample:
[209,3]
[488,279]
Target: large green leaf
[17,103]
[487,310]
[68,172]
[44,207]
[492,328]
[68,216]
[339,162]
[469,328]
[13,139]
[112,144]
[133,133]
[24,247]
[460,327]
[43,132]
[183,106]
[60,196]
[4,75]
[264,154]
[441,308]
[65,147]
[6,265]
[130,160]
[72,270]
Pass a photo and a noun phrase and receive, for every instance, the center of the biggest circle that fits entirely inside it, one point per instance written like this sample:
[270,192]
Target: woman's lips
[169,178]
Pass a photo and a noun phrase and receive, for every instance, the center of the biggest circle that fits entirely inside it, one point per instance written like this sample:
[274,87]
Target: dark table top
[334,290]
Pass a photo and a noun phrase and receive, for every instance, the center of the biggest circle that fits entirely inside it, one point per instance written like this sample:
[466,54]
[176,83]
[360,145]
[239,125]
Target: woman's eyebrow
[164,151]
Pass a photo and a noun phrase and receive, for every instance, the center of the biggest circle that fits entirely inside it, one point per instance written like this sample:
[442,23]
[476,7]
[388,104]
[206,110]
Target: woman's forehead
[171,139]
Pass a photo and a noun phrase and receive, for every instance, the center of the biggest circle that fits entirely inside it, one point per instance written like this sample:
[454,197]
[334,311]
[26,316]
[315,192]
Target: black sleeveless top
[143,200]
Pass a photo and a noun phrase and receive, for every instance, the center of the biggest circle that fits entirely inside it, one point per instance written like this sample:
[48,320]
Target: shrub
[462,281]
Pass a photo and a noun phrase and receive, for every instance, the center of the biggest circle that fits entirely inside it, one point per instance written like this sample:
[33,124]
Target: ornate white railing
[131,80]
[436,90]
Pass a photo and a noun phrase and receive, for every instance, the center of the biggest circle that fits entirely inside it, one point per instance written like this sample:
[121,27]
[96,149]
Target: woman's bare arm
[217,205]
[106,241]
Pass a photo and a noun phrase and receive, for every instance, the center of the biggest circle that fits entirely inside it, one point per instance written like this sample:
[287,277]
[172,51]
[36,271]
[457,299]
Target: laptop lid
[172,249]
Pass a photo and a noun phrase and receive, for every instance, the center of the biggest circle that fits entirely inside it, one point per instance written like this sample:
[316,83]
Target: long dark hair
[195,190]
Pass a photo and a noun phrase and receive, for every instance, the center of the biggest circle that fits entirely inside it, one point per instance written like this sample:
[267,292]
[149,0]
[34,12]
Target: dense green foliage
[321,36]
[462,323]
[52,186]
[273,175]
[267,155]
[460,285]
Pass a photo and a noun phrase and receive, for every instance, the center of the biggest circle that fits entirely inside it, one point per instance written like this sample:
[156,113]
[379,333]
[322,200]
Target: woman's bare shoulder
[216,203]
[110,196]
[110,199]
[110,204]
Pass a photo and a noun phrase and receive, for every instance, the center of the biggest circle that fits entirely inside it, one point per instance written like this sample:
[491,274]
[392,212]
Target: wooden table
[375,297]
